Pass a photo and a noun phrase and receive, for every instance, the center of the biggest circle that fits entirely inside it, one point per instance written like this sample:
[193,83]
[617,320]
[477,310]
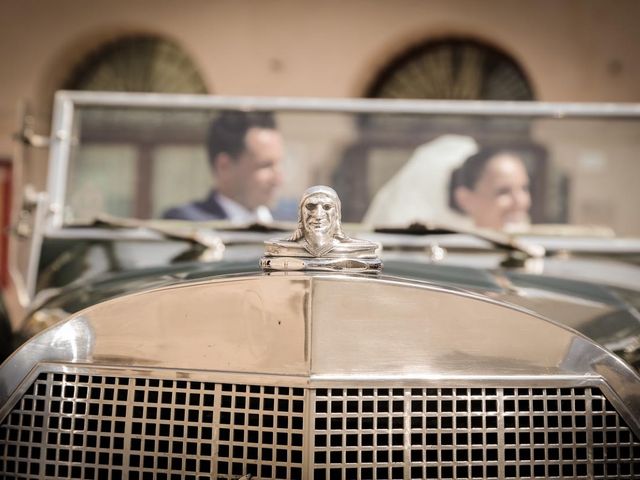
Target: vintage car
[380,327]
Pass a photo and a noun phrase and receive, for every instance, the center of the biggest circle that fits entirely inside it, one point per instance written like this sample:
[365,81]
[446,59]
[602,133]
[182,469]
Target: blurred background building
[569,51]
[546,50]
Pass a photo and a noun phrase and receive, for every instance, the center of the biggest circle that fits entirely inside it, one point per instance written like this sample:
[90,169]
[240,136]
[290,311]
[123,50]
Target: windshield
[508,167]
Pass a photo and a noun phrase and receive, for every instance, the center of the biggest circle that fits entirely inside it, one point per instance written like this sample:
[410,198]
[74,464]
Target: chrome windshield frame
[67,102]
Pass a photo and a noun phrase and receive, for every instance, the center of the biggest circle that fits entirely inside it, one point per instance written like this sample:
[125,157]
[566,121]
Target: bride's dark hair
[468,174]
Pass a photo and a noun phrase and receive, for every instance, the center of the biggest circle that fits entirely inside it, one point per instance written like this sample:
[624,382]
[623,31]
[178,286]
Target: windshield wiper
[500,240]
[209,245]
[274,227]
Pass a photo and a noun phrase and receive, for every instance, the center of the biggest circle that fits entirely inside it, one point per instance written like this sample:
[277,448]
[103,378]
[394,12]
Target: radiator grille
[463,425]
[359,433]
[473,433]
[81,426]
[108,426]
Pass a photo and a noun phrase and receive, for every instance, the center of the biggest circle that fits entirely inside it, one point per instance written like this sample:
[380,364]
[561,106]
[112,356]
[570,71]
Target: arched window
[138,63]
[443,69]
[452,69]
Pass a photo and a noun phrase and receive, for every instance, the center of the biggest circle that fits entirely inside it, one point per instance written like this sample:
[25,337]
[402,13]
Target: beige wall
[572,50]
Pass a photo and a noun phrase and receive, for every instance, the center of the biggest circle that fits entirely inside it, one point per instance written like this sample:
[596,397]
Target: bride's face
[501,195]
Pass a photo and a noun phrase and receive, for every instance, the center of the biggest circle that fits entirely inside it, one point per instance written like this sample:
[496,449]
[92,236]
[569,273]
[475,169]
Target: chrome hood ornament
[319,242]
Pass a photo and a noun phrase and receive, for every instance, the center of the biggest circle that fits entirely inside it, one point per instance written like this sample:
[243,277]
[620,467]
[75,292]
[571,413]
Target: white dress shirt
[237,213]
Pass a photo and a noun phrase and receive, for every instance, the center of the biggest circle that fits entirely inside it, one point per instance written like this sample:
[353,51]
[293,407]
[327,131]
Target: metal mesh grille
[546,432]
[260,426]
[454,433]
[89,426]
[359,433]
[478,433]
[108,426]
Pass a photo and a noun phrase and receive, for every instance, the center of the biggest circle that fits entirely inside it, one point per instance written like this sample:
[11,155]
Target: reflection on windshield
[419,191]
[492,188]
[245,155]
[390,169]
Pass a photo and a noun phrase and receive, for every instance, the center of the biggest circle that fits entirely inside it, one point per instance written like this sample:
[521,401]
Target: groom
[245,153]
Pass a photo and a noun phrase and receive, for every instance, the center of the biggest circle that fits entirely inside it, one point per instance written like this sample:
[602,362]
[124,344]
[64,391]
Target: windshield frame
[67,104]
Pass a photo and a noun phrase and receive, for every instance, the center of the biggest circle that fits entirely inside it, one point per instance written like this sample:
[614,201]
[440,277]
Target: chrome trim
[351,105]
[324,327]
[59,156]
[37,237]
[67,101]
[303,381]
[308,423]
[349,265]
[454,241]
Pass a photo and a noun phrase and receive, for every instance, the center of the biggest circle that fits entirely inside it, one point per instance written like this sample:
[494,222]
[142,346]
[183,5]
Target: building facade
[570,51]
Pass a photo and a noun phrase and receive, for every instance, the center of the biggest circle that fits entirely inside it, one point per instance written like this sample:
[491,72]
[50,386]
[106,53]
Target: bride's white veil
[419,192]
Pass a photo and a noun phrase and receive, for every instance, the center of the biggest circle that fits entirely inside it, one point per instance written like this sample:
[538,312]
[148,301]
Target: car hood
[605,313]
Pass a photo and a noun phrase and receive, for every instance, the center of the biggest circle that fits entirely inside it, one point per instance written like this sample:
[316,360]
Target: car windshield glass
[513,168]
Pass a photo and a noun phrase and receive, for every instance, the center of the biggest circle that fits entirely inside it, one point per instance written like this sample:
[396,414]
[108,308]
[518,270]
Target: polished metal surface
[96,425]
[95,422]
[350,265]
[325,327]
[115,99]
[319,243]
[470,433]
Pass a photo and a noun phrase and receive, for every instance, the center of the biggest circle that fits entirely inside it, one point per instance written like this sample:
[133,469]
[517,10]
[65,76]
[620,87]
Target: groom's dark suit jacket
[207,209]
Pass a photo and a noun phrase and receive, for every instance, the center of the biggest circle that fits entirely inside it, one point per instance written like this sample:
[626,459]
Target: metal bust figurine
[319,242]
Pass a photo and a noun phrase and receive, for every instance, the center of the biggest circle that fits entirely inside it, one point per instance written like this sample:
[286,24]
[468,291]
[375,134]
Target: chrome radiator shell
[369,377]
